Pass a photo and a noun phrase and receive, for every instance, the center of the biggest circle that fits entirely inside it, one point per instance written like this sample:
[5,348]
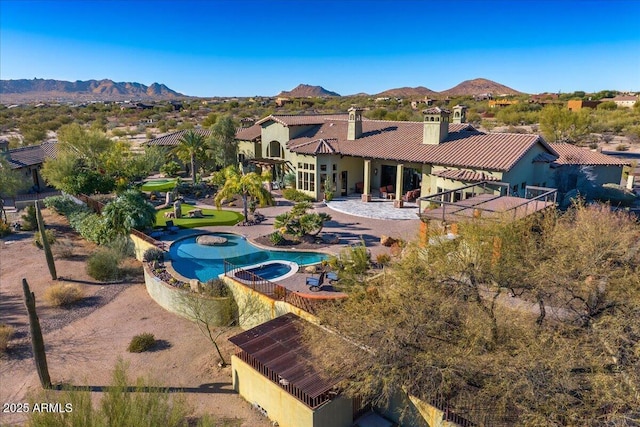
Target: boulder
[311,269]
[208,240]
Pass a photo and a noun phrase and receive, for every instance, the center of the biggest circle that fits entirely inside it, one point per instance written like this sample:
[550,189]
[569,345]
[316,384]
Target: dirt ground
[85,342]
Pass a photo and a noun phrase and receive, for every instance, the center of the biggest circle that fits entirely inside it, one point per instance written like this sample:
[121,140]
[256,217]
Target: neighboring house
[626,101]
[248,137]
[28,161]
[579,104]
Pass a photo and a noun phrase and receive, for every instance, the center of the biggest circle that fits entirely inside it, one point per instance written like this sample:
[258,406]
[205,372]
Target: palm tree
[129,210]
[246,185]
[191,145]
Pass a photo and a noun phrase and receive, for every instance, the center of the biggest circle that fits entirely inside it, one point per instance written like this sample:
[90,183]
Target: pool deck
[348,223]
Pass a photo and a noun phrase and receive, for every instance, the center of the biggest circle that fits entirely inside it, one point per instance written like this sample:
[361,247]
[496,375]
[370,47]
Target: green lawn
[211,217]
[159,185]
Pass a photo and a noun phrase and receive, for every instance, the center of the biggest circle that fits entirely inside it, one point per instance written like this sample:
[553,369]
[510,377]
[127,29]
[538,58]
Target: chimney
[436,125]
[355,123]
[459,114]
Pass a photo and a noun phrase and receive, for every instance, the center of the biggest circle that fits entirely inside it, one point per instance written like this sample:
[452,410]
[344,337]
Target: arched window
[275,150]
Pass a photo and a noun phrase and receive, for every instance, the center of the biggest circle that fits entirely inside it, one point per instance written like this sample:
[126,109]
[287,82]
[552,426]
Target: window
[523,185]
[323,168]
[306,179]
[335,167]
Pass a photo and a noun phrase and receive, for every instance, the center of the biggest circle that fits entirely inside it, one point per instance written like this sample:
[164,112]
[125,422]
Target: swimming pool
[206,262]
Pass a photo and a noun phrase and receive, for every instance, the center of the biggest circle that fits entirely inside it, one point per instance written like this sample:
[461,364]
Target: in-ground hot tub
[270,270]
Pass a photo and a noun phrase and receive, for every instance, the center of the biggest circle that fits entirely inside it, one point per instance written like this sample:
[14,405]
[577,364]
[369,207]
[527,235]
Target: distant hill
[89,90]
[302,91]
[477,87]
[408,92]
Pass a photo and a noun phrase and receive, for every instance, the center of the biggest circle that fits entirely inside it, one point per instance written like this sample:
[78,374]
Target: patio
[377,208]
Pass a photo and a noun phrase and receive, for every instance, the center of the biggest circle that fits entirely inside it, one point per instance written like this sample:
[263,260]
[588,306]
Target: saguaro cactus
[37,342]
[45,244]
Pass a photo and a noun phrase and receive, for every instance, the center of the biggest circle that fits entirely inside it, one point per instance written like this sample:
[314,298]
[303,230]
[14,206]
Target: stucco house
[400,160]
[28,161]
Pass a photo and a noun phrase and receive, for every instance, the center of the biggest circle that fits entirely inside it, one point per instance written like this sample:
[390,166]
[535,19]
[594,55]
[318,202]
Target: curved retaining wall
[183,302]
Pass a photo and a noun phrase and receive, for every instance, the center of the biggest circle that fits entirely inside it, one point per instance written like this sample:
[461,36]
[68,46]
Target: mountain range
[41,90]
[468,87]
[24,90]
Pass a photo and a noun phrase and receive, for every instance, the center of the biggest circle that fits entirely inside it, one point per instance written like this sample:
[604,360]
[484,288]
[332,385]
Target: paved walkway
[377,208]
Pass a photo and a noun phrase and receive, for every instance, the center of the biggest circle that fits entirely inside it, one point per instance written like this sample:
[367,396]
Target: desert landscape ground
[84,343]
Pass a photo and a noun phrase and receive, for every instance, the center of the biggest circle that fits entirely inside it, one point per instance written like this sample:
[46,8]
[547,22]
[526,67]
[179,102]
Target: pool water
[270,271]
[206,262]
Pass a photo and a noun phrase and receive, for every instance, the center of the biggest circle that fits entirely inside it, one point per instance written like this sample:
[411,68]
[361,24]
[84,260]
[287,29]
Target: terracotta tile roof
[402,141]
[318,146]
[173,139]
[252,133]
[31,155]
[299,120]
[574,155]
[279,346]
[465,175]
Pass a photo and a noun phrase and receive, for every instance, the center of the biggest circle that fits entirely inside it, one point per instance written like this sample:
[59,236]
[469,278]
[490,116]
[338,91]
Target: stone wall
[182,302]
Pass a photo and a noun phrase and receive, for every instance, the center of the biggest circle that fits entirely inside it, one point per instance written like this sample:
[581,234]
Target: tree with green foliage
[128,211]
[532,322]
[190,147]
[223,141]
[562,125]
[298,222]
[11,182]
[233,182]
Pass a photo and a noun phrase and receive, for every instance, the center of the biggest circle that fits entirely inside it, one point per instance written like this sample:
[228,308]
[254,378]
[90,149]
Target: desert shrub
[120,405]
[63,205]
[63,249]
[103,265]
[153,254]
[296,195]
[50,236]
[142,342]
[122,245]
[170,168]
[276,238]
[91,227]
[5,228]
[216,288]
[383,259]
[593,145]
[29,221]
[622,147]
[63,294]
[6,332]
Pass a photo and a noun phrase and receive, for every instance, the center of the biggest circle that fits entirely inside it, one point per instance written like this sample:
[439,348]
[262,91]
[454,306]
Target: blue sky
[246,48]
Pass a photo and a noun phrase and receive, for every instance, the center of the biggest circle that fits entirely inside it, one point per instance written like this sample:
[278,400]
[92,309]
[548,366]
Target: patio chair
[172,229]
[315,283]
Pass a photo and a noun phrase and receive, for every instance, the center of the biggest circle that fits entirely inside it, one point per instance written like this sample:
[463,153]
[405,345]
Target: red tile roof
[574,155]
[465,175]
[298,120]
[173,138]
[252,133]
[31,155]
[402,141]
